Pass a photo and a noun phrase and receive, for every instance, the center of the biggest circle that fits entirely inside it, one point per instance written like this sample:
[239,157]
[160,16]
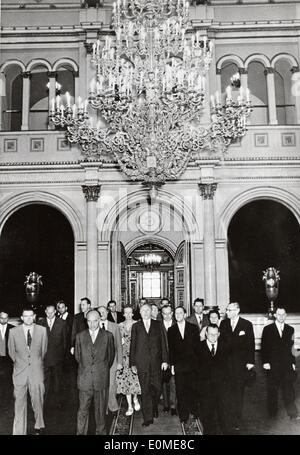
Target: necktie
[93,337]
[199,322]
[29,338]
[50,324]
[212,350]
[280,330]
[232,325]
[147,326]
[103,325]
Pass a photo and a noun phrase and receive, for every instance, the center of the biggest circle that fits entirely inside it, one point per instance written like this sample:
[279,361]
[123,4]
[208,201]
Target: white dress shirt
[64,316]
[94,334]
[280,327]
[234,323]
[147,324]
[209,344]
[3,328]
[181,327]
[167,324]
[105,324]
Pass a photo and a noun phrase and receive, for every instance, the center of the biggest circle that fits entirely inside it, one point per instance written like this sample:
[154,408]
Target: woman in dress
[128,382]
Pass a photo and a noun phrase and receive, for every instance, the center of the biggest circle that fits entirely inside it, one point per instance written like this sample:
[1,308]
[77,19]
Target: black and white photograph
[150,220]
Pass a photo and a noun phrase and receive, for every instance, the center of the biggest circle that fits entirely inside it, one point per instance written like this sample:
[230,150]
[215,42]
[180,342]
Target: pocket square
[242,333]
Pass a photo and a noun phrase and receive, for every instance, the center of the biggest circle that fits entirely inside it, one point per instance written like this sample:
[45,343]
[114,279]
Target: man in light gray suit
[27,347]
[94,352]
[117,365]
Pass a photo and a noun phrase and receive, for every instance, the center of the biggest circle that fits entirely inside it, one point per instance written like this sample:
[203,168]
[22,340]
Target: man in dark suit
[148,357]
[238,334]
[70,365]
[56,351]
[213,381]
[277,351]
[6,364]
[114,315]
[168,384]
[198,318]
[79,321]
[183,341]
[95,353]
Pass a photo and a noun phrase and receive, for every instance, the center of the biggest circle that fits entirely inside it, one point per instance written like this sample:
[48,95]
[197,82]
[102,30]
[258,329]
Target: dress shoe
[129,412]
[166,410]
[136,405]
[37,431]
[173,412]
[147,423]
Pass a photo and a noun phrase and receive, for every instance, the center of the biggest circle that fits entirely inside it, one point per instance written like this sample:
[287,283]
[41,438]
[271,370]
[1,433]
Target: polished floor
[60,418]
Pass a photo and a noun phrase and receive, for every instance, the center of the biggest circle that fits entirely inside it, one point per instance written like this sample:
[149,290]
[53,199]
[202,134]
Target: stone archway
[261,234]
[38,238]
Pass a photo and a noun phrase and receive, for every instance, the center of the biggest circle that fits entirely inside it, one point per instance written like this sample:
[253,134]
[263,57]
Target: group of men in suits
[204,378]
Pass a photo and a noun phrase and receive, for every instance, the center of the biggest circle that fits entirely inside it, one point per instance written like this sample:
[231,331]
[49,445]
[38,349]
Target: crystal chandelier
[148,95]
[149,260]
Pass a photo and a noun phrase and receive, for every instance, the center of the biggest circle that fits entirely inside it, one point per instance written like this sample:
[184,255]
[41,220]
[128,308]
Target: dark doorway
[264,234]
[36,238]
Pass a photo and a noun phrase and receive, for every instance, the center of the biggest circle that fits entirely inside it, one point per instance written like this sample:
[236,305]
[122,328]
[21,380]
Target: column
[244,78]
[26,100]
[2,95]
[89,65]
[296,91]
[91,193]
[207,192]
[219,81]
[76,85]
[52,94]
[269,72]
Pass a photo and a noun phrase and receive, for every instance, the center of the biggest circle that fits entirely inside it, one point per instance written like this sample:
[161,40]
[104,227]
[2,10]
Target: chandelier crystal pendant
[148,95]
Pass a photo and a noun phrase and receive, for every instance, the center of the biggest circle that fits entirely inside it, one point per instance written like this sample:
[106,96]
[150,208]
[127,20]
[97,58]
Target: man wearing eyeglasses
[238,334]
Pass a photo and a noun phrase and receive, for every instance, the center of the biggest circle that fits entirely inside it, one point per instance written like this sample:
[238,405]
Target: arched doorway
[36,238]
[261,234]
[152,281]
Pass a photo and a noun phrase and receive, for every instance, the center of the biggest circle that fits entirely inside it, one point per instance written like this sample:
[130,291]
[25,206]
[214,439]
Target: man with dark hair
[183,341]
[79,321]
[27,346]
[168,381]
[114,315]
[213,381]
[198,318]
[277,351]
[238,334]
[148,357]
[56,351]
[5,361]
[94,352]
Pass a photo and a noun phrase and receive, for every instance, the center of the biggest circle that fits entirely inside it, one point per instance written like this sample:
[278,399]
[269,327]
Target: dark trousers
[236,393]
[100,405]
[169,393]
[283,382]
[213,408]
[187,394]
[6,385]
[53,380]
[150,383]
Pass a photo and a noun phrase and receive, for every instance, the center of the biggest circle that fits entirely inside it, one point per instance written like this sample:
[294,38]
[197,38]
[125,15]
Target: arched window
[285,101]
[12,101]
[38,105]
[257,85]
